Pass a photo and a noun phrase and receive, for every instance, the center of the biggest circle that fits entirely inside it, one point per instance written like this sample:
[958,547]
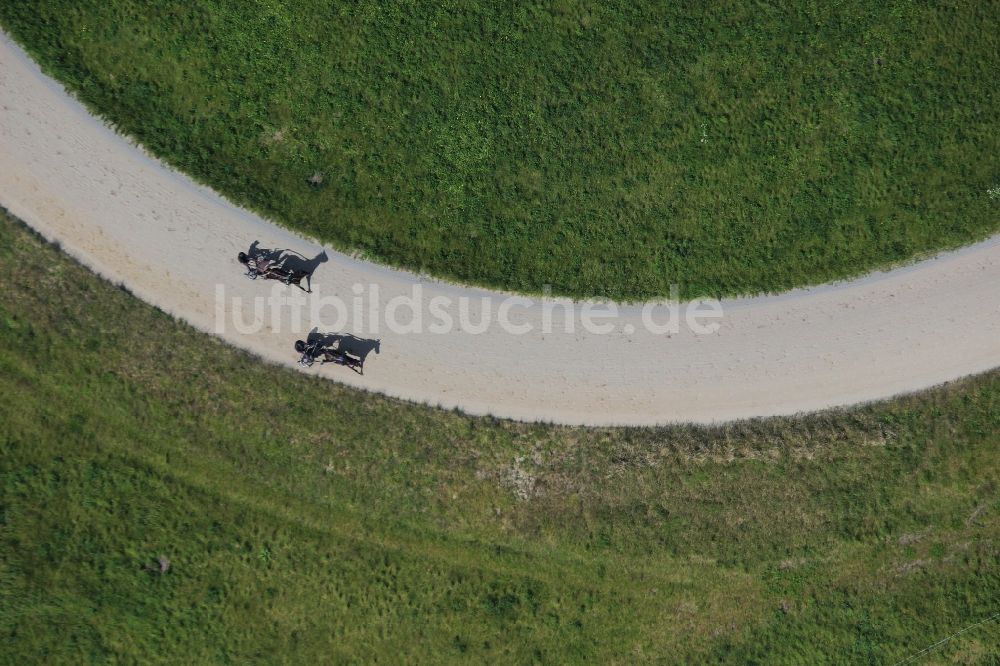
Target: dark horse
[261,266]
[313,351]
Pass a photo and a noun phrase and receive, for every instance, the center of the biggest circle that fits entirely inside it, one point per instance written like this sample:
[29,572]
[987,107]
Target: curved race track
[172,243]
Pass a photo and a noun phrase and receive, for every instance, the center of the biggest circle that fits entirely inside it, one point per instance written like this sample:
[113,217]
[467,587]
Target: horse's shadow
[294,261]
[345,342]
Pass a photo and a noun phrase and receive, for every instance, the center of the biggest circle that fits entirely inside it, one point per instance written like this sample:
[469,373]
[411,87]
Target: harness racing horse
[311,352]
[259,266]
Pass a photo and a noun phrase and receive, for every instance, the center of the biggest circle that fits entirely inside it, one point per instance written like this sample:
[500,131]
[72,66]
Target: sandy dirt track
[173,243]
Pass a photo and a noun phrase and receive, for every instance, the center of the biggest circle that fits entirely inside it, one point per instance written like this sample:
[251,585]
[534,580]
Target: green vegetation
[314,523]
[607,149]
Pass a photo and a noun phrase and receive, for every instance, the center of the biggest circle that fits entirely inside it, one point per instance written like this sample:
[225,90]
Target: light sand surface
[172,242]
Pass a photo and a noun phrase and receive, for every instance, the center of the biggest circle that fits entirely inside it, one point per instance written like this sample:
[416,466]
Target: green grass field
[606,149]
[314,523]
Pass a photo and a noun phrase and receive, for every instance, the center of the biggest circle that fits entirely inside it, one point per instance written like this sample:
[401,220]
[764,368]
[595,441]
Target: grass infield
[164,497]
[607,149]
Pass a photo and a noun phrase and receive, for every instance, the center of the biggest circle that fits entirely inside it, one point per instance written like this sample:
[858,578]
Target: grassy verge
[606,149]
[315,523]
